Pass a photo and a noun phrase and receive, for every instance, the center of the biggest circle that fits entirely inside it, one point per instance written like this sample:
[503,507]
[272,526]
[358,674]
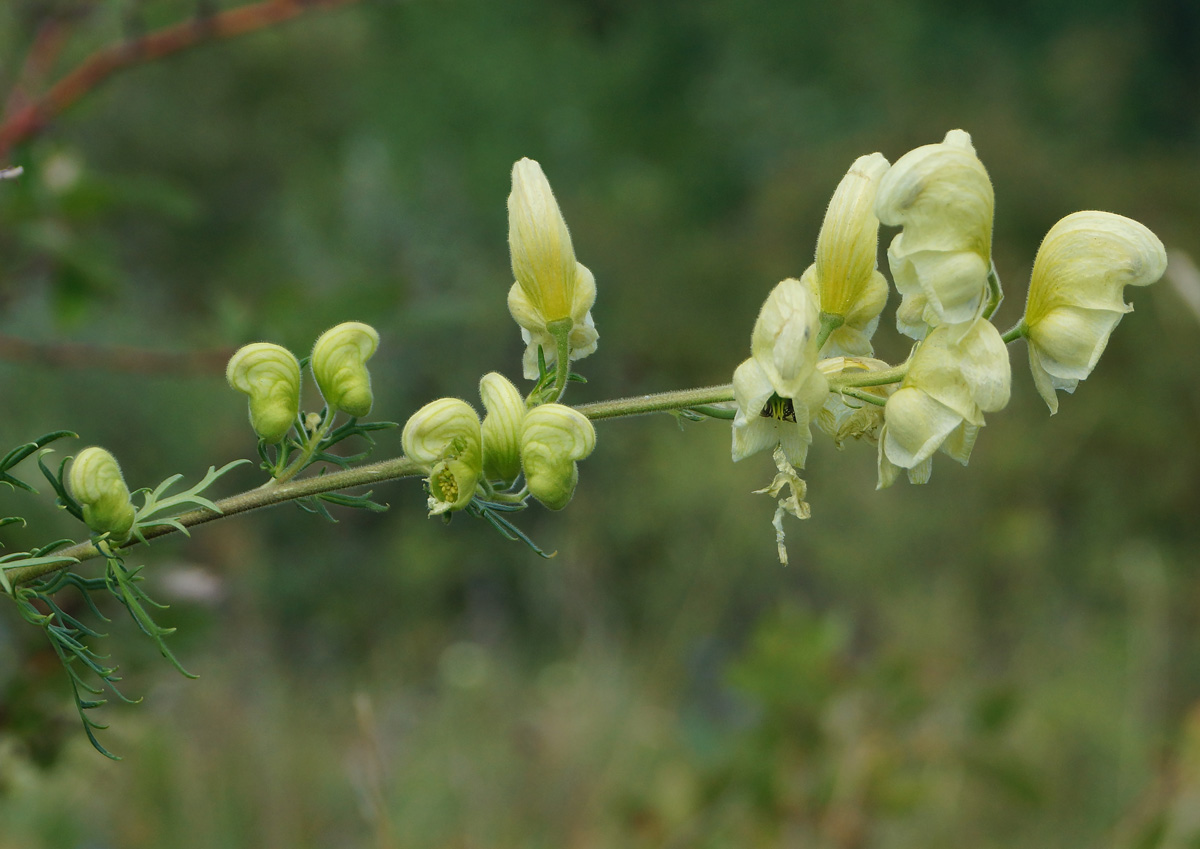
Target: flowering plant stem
[386,470]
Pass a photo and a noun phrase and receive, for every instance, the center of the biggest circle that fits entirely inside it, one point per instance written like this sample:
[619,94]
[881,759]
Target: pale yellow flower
[779,389]
[941,195]
[1076,294]
[551,286]
[955,376]
[845,278]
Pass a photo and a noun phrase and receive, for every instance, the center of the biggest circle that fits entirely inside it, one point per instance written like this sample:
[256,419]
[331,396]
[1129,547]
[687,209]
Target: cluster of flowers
[811,345]
[551,301]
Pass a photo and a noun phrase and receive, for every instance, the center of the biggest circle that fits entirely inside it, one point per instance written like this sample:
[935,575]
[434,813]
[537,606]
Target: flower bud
[270,375]
[550,285]
[941,195]
[339,364]
[553,438]
[1076,294]
[844,278]
[501,427]
[444,436]
[95,481]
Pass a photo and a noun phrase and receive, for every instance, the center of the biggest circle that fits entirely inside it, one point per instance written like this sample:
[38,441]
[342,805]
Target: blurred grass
[1004,657]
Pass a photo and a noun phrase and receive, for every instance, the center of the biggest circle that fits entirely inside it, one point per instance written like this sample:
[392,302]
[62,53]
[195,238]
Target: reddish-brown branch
[32,117]
[117,358]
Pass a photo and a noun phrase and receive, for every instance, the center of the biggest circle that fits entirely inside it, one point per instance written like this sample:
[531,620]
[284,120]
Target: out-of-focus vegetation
[1005,657]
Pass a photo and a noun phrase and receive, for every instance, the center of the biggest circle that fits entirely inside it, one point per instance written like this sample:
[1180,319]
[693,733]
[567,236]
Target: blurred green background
[1009,656]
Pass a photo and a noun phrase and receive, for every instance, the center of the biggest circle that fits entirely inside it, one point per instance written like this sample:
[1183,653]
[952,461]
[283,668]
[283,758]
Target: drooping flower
[444,436]
[1076,294]
[339,364]
[96,482]
[941,195]
[551,287]
[779,389]
[955,376]
[553,438]
[845,278]
[270,375]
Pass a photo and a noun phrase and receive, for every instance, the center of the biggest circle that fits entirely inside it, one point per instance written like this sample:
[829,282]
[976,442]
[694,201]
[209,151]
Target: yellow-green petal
[339,364]
[96,482]
[270,375]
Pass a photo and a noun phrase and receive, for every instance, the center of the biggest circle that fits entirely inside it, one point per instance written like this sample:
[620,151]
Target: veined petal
[1087,259]
[553,438]
[845,267]
[501,428]
[443,428]
[543,259]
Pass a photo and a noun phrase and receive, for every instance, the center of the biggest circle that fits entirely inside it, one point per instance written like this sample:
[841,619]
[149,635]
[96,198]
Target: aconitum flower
[845,278]
[941,195]
[955,376]
[779,389]
[96,482]
[1076,294]
[444,436]
[339,364]
[551,288]
[553,438]
[501,427]
[270,375]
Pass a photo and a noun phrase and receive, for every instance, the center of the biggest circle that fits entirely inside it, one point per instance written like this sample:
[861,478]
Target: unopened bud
[553,438]
[339,364]
[270,376]
[95,481]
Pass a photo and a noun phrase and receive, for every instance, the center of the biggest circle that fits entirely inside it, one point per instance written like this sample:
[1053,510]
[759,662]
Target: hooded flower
[551,286]
[270,375]
[844,279]
[444,436]
[339,364]
[96,482]
[942,197]
[501,427]
[779,389]
[956,375]
[553,438]
[1076,294]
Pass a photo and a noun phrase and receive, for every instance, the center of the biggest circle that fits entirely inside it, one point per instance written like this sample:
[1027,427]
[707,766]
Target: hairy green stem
[663,402]
[895,374]
[561,331]
[386,470]
[829,323]
[309,448]
[995,292]
[865,396]
[1016,331]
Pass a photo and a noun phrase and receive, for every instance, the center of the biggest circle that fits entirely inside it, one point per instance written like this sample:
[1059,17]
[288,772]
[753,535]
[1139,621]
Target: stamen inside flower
[779,408]
[445,485]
